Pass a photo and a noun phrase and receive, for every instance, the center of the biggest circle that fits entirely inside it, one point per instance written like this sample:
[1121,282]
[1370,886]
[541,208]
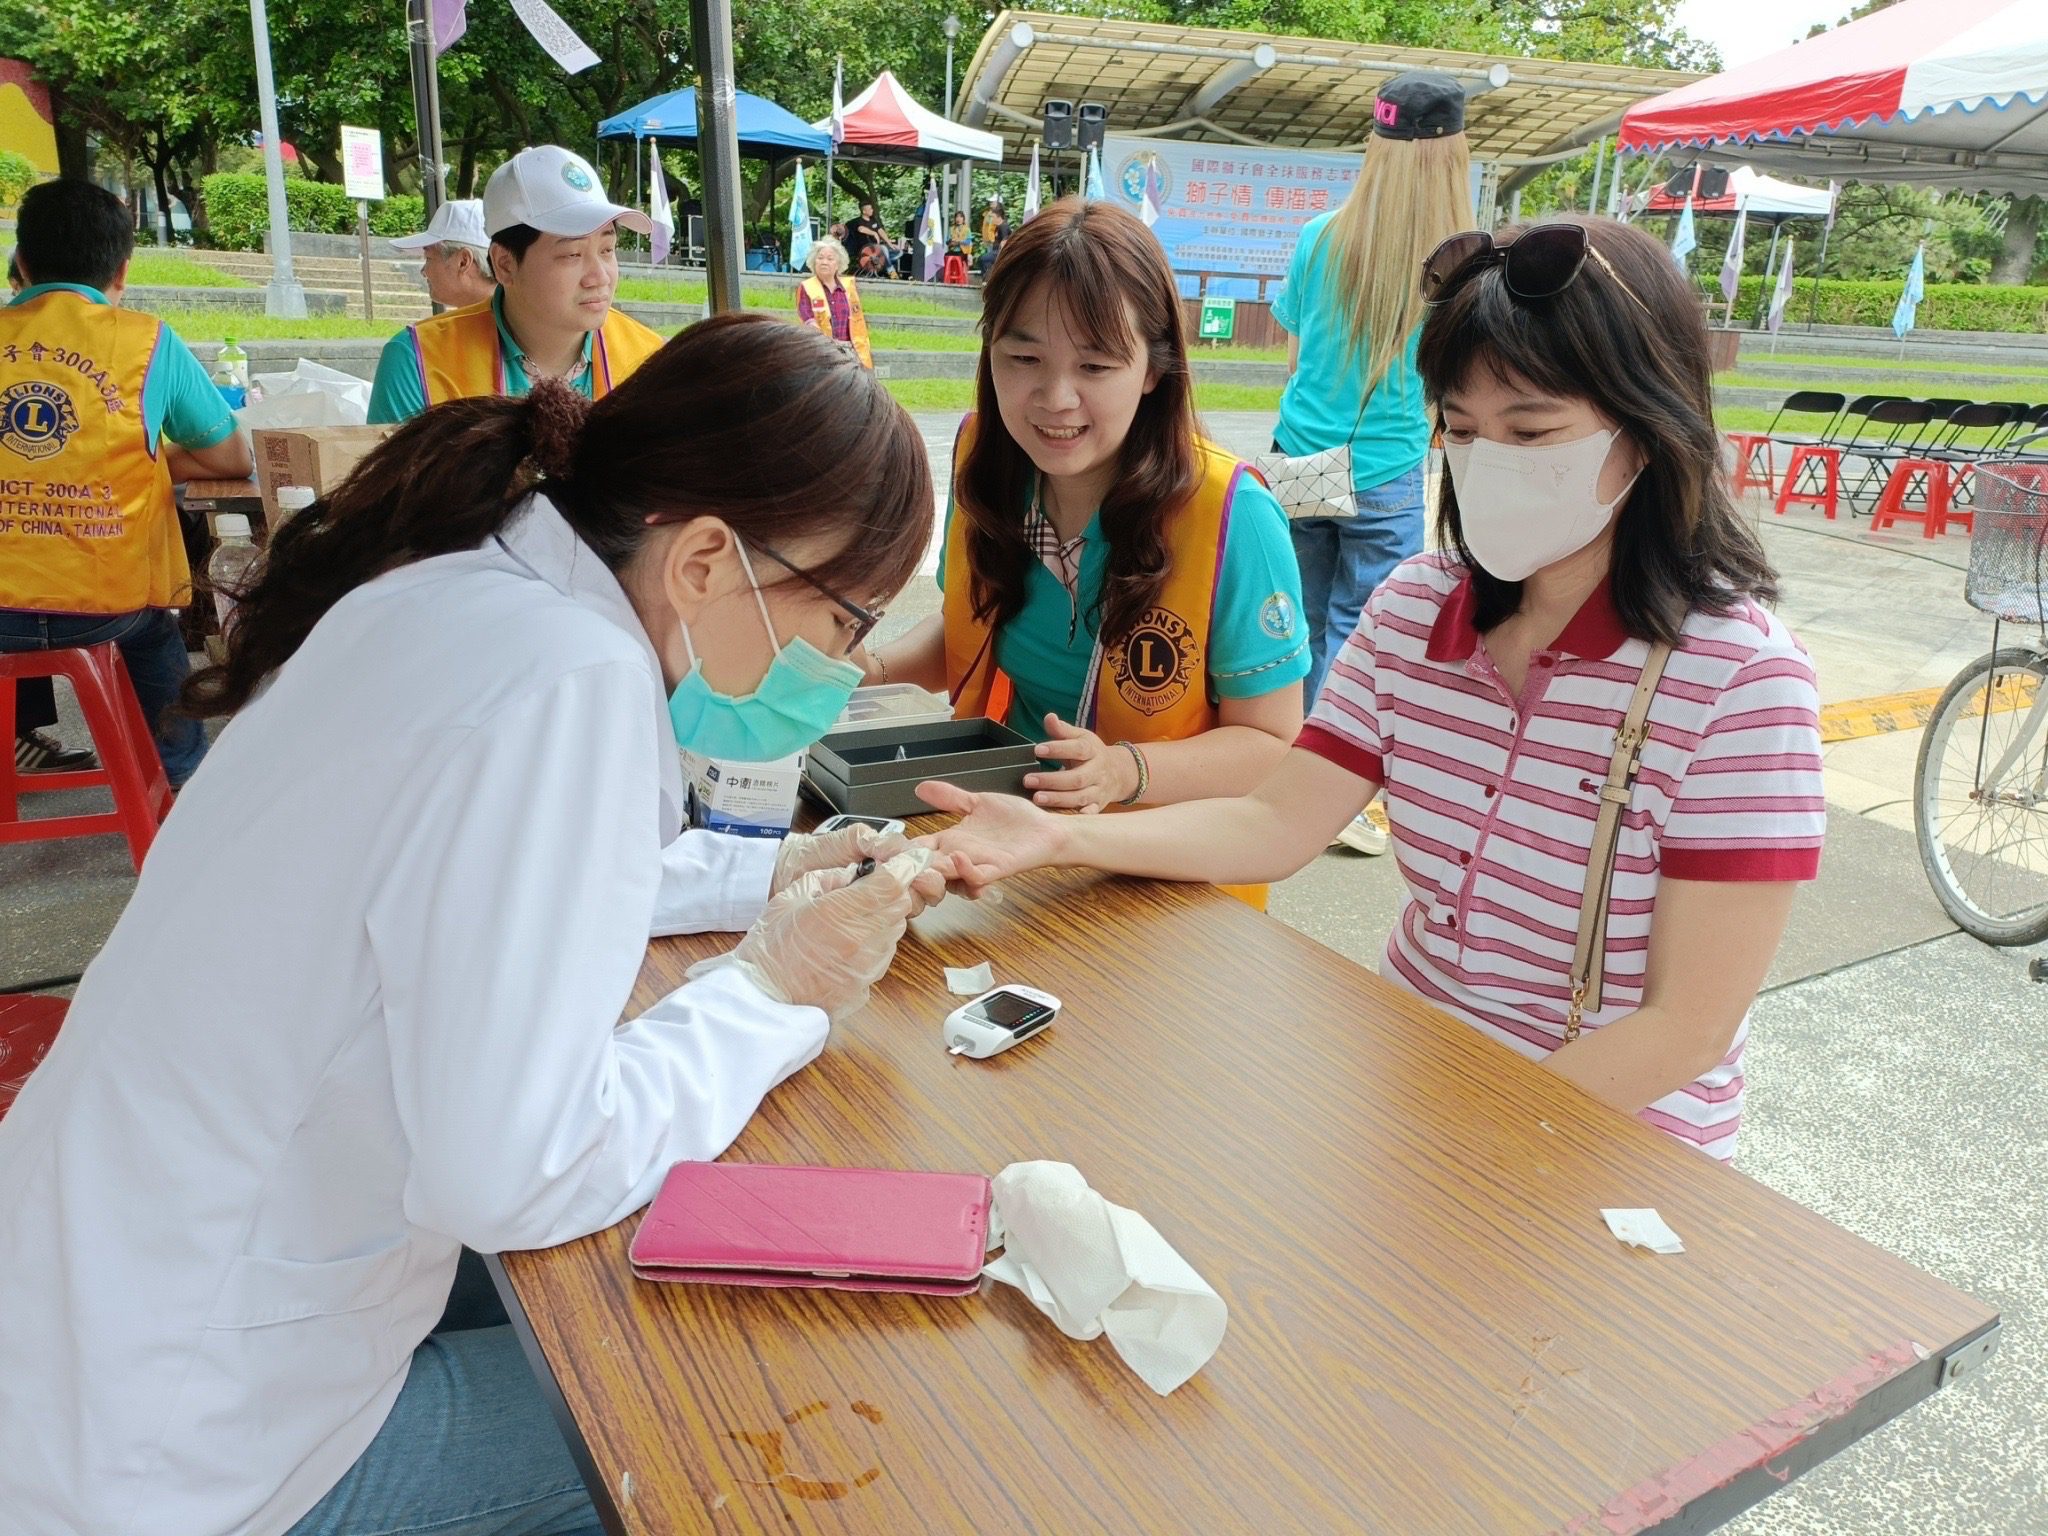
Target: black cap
[1419,105]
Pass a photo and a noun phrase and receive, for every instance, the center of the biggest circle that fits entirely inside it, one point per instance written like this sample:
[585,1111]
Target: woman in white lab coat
[363,1008]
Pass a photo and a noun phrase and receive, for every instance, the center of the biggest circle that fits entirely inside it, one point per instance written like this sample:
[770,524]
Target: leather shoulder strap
[1589,957]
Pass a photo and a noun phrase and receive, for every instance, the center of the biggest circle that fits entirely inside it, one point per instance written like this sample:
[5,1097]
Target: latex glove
[1095,772]
[806,853]
[826,940]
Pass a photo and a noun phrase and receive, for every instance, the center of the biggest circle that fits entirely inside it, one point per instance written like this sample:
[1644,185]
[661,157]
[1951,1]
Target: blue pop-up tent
[766,131]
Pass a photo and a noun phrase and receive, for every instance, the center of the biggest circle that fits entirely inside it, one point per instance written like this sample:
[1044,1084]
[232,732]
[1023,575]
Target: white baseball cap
[461,221]
[548,189]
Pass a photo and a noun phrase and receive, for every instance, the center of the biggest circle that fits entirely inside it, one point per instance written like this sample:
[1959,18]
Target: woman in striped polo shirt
[1585,525]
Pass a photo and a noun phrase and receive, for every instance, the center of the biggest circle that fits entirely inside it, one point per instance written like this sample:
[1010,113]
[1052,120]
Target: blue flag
[1684,243]
[1916,290]
[799,223]
[1094,188]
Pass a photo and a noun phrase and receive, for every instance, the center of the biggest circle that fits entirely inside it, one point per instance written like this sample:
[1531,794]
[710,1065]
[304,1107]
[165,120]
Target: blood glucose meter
[997,1020]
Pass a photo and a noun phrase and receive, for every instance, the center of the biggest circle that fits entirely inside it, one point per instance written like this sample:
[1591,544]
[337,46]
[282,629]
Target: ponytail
[445,481]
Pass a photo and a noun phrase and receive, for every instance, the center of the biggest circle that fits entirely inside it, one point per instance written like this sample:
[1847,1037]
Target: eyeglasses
[1539,263]
[864,621]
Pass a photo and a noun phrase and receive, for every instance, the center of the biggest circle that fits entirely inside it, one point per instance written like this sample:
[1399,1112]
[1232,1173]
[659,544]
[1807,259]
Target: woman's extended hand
[996,837]
[1097,773]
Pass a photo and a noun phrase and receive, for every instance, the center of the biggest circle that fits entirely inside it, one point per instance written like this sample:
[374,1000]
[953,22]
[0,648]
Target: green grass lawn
[169,269]
[253,325]
[1762,359]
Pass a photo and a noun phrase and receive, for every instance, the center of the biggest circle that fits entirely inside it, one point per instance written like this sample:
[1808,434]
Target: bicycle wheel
[1985,844]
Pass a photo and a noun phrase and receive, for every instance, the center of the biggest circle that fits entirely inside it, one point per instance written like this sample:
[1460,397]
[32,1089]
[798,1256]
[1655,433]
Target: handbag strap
[1589,955]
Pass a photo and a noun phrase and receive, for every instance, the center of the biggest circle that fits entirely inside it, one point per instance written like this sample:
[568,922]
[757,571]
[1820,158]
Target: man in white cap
[455,254]
[553,250]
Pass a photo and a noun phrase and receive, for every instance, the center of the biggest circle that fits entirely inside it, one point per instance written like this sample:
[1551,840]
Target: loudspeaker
[1059,125]
[1094,120]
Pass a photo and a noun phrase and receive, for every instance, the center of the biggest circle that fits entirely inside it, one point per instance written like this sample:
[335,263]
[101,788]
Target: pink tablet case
[848,1229]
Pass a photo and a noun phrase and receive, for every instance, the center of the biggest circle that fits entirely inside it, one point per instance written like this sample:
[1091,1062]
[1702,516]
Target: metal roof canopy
[1286,92]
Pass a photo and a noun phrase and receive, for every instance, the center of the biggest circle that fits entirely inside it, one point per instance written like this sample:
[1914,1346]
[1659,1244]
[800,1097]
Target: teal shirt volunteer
[178,398]
[399,391]
[1258,642]
[1320,405]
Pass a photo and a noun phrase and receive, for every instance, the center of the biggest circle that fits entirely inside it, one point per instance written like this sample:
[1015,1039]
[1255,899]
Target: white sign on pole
[362,163]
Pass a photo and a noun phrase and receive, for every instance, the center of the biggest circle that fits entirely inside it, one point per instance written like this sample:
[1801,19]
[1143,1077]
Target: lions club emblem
[36,419]
[1155,664]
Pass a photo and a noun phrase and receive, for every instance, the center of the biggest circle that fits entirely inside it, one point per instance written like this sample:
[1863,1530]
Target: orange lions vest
[856,318]
[87,521]
[460,358]
[1153,683]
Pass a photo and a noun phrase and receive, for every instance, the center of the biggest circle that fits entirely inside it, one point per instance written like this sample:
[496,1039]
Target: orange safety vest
[856,320]
[1152,685]
[460,356]
[87,520]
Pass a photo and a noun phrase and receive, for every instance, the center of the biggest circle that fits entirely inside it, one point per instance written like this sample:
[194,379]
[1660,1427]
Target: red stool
[1809,455]
[130,765]
[956,269]
[1748,447]
[27,1027]
[1932,512]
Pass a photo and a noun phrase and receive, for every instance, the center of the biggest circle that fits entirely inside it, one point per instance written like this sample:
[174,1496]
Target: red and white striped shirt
[1492,800]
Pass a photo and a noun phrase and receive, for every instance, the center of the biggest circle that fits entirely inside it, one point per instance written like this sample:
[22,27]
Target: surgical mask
[795,703]
[1524,508]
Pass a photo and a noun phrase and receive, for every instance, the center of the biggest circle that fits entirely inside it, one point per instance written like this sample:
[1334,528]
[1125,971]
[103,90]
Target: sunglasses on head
[1539,263]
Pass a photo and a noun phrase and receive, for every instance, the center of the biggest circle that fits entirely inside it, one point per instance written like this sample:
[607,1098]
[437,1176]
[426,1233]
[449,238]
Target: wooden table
[1431,1330]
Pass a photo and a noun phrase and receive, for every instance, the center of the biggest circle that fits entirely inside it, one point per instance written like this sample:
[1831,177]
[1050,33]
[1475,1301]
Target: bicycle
[1980,787]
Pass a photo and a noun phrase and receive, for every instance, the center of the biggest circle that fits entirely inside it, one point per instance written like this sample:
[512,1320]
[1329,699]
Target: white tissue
[971,982]
[1642,1227]
[1096,1268]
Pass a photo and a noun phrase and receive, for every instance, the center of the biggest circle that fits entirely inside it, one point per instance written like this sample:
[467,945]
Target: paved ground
[1895,1064]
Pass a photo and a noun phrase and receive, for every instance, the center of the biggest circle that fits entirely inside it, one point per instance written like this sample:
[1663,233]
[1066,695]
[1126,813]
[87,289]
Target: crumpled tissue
[970,981]
[1096,1268]
[1642,1227]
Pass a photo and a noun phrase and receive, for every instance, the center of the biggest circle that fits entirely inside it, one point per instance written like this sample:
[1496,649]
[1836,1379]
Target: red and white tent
[884,123]
[1939,92]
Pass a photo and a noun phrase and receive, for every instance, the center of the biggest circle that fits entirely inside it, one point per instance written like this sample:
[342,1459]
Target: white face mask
[1524,508]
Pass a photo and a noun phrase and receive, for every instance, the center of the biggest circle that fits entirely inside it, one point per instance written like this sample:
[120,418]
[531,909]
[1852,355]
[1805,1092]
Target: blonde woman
[1353,310]
[829,300]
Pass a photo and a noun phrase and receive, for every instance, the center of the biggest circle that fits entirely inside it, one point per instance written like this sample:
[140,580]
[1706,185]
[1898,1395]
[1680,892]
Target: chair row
[1912,449]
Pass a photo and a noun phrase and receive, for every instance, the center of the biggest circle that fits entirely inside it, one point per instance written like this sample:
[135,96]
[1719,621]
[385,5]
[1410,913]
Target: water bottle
[232,564]
[293,499]
[231,376]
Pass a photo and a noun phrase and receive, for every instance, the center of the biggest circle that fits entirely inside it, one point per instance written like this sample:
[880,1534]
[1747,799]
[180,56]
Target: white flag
[555,35]
[799,223]
[657,209]
[1684,242]
[838,102]
[1731,268]
[1783,295]
[1148,201]
[1031,188]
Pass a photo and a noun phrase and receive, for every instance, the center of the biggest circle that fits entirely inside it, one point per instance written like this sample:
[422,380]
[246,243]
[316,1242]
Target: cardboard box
[747,799]
[319,457]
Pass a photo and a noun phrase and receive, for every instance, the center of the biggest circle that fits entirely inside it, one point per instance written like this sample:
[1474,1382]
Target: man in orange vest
[554,242]
[102,409]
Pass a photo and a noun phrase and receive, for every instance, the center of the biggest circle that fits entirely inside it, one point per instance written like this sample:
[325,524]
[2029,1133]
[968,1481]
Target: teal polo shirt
[178,398]
[1257,641]
[1320,406]
[399,391]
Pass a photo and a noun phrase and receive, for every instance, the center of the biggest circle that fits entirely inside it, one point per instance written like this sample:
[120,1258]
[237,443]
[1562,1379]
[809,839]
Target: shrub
[1946,307]
[17,175]
[405,214]
[238,209]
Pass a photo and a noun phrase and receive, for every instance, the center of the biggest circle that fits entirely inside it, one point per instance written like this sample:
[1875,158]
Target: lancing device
[866,868]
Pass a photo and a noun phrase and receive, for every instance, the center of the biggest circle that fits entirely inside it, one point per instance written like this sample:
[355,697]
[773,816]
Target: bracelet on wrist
[1144,774]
